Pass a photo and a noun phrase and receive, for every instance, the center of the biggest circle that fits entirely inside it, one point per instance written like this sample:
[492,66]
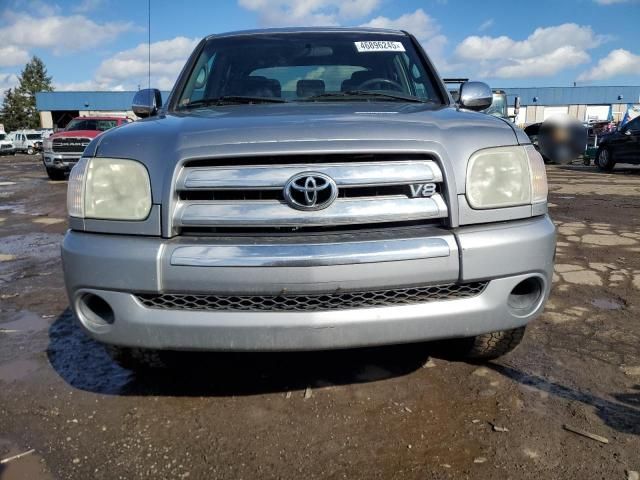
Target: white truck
[6,146]
[27,141]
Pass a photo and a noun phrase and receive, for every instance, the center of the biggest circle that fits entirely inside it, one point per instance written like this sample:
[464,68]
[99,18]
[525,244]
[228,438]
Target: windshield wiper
[230,100]
[364,94]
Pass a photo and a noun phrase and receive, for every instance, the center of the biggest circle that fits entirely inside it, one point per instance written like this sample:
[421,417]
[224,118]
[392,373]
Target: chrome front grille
[313,302]
[70,144]
[251,196]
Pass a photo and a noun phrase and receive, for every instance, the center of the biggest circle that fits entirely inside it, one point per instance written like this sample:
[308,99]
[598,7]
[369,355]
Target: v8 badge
[422,190]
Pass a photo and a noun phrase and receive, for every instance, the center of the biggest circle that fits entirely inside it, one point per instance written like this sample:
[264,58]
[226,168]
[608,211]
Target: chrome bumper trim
[305,255]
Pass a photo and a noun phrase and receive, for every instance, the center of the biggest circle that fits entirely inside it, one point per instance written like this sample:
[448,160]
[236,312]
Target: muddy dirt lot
[400,412]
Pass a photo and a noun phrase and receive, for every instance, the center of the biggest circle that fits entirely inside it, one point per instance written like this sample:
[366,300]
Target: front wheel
[489,346]
[604,160]
[30,151]
[54,174]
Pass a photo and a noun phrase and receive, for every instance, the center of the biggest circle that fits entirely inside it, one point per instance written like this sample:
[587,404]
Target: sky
[102,44]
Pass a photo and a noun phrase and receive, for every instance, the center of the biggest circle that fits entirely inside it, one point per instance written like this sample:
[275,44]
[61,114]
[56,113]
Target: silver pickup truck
[308,189]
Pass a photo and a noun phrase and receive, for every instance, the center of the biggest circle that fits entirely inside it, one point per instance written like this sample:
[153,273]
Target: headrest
[308,88]
[257,87]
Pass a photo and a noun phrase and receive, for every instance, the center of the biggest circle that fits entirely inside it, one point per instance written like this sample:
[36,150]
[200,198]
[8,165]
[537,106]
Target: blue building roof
[574,95]
[56,101]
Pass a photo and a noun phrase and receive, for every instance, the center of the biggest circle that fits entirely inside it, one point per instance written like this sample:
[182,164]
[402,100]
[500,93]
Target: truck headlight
[109,189]
[506,177]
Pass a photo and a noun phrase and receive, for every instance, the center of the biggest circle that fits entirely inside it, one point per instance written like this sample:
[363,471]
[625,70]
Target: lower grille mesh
[312,302]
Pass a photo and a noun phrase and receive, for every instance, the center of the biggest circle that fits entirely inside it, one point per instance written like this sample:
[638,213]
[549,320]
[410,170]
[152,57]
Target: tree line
[19,104]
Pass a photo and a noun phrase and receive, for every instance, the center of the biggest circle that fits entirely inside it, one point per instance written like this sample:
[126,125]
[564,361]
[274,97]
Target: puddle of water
[43,246]
[18,369]
[29,466]
[17,209]
[607,304]
[24,321]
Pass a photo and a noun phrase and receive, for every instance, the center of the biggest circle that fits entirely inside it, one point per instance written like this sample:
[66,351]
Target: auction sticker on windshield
[379,46]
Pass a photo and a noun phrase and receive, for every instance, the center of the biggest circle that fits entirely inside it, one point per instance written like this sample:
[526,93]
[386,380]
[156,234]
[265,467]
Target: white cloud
[62,34]
[424,27]
[130,67]
[89,85]
[10,56]
[545,52]
[88,5]
[7,80]
[418,23]
[308,12]
[617,62]
[486,25]
[542,65]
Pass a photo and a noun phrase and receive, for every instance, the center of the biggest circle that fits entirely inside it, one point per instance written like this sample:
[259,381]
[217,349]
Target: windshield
[90,124]
[34,136]
[498,106]
[2,136]
[303,66]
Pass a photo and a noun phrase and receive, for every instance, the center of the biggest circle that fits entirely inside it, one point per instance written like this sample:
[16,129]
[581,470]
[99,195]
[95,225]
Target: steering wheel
[381,81]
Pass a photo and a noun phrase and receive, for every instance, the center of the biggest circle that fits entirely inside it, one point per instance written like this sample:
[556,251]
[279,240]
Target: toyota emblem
[310,191]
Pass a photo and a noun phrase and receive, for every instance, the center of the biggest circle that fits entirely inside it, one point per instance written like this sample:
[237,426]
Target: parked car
[6,145]
[26,141]
[63,149]
[308,189]
[620,146]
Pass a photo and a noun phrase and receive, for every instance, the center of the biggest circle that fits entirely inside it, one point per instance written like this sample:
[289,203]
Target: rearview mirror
[475,96]
[147,102]
[516,106]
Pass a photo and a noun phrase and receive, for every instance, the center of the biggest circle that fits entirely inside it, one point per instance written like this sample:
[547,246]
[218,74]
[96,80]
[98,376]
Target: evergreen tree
[19,106]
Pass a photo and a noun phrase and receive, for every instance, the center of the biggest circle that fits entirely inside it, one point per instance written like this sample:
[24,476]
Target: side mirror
[475,96]
[516,106]
[146,102]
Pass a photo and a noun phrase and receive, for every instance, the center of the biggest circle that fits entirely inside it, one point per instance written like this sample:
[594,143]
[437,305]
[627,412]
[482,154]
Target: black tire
[490,345]
[55,174]
[604,160]
[136,359]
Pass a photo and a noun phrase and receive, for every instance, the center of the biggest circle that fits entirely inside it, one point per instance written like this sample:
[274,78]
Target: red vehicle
[63,149]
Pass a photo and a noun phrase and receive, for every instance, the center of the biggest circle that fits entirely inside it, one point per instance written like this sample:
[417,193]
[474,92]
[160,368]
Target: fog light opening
[96,310]
[526,295]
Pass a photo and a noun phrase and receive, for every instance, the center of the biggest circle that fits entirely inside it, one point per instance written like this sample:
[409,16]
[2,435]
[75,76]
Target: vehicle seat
[308,88]
[256,86]
[357,79]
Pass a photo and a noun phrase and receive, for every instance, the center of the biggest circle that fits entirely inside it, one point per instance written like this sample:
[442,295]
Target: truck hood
[302,128]
[76,133]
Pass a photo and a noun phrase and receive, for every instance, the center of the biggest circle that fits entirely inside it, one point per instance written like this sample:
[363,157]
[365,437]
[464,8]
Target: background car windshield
[302,65]
[34,136]
[91,124]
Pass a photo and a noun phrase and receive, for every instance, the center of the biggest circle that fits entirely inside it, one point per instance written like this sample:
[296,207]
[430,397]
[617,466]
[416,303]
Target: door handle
[627,132]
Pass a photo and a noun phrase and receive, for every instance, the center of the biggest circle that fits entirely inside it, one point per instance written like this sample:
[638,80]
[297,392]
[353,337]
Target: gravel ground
[397,412]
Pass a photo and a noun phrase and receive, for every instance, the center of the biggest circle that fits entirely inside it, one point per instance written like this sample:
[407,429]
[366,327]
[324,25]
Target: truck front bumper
[108,276]
[60,161]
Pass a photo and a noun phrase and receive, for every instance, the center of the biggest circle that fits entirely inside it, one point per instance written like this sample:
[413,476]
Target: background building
[583,103]
[537,104]
[58,108]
